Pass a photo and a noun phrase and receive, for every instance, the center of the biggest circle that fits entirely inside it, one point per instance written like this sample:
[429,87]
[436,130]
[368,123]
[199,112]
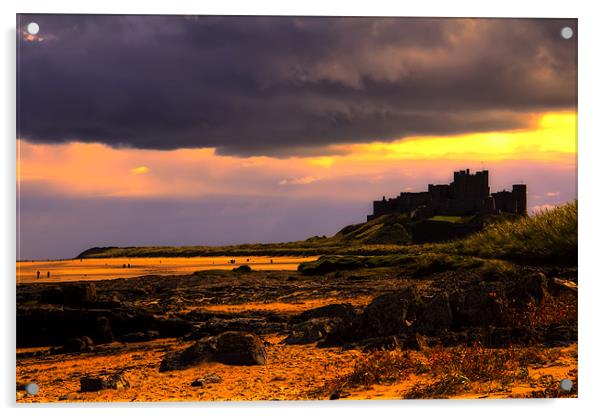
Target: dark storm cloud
[280,85]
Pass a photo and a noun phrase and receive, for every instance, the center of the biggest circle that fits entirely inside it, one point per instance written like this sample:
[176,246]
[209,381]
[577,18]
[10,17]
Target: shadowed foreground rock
[115,381]
[233,348]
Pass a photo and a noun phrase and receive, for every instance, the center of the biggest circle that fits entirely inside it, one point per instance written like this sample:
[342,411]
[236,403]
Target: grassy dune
[382,235]
[550,236]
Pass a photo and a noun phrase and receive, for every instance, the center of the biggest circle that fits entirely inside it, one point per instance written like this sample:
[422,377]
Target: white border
[590,137]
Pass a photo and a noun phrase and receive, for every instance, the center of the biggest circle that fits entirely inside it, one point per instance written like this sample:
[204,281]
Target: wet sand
[113,268]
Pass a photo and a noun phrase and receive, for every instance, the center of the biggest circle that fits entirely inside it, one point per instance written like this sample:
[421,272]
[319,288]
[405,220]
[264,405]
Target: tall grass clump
[548,237]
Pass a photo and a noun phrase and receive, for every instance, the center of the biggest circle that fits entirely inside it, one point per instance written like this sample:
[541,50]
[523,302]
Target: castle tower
[520,195]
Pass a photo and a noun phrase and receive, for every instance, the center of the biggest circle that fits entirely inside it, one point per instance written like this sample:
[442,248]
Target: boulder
[233,348]
[390,314]
[530,287]
[102,330]
[478,306]
[208,379]
[70,294]
[337,310]
[311,331]
[239,348]
[114,381]
[200,352]
[508,336]
[83,344]
[174,327]
[436,315]
[45,325]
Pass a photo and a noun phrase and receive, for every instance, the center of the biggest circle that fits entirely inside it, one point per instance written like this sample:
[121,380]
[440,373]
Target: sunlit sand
[114,268]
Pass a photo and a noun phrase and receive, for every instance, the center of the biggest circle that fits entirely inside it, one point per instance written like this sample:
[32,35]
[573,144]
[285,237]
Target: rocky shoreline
[406,313]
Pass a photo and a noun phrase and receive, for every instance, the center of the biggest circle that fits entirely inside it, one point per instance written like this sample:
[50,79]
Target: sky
[187,130]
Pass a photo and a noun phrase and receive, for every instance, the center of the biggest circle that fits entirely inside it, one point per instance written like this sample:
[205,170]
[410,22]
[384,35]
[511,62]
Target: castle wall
[467,194]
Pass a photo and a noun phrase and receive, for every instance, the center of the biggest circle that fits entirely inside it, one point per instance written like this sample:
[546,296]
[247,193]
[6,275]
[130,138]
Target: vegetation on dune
[444,372]
[450,218]
[382,235]
[550,236]
[412,263]
[299,249]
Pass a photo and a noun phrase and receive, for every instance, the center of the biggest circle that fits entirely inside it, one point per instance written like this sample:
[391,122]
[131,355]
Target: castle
[468,194]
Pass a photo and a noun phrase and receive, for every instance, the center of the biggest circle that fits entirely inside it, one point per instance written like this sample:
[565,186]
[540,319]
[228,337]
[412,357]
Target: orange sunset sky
[171,138]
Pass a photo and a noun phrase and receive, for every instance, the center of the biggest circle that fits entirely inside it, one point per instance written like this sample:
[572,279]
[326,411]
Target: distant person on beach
[47,274]
[38,274]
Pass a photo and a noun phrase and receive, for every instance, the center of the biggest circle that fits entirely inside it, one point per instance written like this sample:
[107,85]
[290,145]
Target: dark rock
[102,330]
[38,326]
[75,345]
[233,348]
[415,341]
[337,310]
[127,320]
[208,379]
[436,315]
[560,334]
[390,314]
[118,381]
[238,348]
[387,315]
[174,327]
[70,294]
[88,341]
[530,287]
[215,326]
[115,381]
[338,394]
[507,336]
[244,268]
[139,336]
[562,287]
[478,306]
[311,331]
[52,295]
[134,337]
[91,384]
[83,344]
[44,325]
[381,343]
[200,352]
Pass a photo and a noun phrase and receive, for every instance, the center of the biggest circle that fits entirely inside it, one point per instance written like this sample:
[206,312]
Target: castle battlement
[468,194]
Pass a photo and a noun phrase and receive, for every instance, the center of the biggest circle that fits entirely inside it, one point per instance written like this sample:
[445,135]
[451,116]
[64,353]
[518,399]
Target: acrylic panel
[295,208]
